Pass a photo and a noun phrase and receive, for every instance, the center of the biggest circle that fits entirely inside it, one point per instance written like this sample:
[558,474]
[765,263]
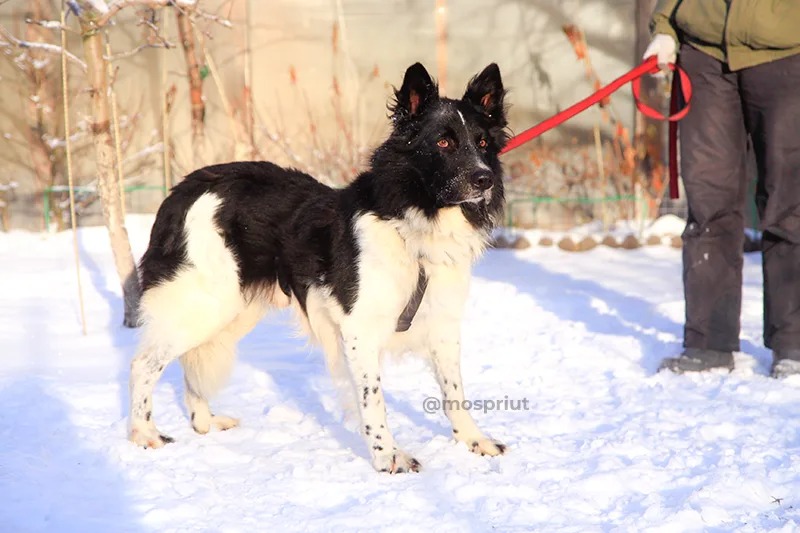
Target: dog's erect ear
[418,90]
[486,92]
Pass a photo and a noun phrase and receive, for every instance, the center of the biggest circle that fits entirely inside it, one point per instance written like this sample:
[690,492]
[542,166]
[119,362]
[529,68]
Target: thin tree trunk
[107,184]
[188,41]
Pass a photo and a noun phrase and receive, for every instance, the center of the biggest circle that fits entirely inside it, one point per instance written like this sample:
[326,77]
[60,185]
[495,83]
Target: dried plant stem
[441,45]
[68,148]
[248,81]
[165,133]
[598,146]
[226,104]
[340,48]
[115,123]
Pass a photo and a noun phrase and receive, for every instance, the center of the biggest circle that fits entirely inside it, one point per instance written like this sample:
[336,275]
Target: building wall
[377,41]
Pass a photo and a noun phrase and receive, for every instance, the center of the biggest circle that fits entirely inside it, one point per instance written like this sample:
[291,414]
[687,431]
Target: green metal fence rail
[523,199]
[83,188]
[566,200]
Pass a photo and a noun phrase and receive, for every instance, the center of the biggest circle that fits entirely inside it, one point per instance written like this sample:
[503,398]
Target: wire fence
[521,206]
[85,189]
[533,201]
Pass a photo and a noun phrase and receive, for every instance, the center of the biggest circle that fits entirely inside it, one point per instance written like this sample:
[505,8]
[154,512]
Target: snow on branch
[118,5]
[106,12]
[98,5]
[215,18]
[7,41]
[49,24]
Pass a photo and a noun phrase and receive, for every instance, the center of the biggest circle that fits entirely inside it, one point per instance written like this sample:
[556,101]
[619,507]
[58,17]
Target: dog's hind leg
[146,369]
[207,367]
[210,361]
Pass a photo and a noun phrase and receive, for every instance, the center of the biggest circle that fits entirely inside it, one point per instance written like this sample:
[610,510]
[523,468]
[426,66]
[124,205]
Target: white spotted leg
[446,357]
[364,365]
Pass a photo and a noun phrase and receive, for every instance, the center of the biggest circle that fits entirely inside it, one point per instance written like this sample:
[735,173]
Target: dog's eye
[482,143]
[443,143]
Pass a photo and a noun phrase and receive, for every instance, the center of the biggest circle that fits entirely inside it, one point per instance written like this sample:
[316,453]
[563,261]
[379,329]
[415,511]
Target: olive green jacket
[742,33]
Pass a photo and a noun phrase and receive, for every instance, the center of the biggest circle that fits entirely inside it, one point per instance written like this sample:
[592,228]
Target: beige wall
[523,37]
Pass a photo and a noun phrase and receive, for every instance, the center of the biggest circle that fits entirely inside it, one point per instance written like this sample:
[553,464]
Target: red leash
[680,84]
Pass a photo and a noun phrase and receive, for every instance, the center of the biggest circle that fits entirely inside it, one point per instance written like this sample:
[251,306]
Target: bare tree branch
[134,51]
[11,41]
[215,18]
[107,12]
[156,33]
[49,24]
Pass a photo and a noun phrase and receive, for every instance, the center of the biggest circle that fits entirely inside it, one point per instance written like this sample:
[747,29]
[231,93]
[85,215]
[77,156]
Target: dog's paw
[396,462]
[149,437]
[224,423]
[202,425]
[486,447]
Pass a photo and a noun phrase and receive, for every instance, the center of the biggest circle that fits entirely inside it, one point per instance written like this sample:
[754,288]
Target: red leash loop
[685,87]
[681,84]
[681,87]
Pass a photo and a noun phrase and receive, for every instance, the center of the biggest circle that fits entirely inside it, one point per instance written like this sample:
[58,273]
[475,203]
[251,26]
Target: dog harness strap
[404,322]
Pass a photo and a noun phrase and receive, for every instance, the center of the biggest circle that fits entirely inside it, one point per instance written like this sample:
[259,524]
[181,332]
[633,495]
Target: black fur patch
[286,229]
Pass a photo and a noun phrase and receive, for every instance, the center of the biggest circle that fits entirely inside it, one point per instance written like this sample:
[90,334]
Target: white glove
[664,48]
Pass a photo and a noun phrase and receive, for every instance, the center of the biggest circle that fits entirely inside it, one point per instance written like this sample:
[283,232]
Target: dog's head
[452,145]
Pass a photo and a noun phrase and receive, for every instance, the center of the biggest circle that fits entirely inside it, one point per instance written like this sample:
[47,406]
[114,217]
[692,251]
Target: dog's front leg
[364,362]
[446,355]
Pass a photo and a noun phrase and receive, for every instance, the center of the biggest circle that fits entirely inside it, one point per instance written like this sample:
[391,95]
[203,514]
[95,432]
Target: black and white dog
[380,266]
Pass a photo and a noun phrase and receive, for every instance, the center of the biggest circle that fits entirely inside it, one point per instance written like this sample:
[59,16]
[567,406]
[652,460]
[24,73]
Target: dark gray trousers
[764,103]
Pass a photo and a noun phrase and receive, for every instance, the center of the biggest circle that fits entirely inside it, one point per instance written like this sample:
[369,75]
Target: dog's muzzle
[481,180]
[485,196]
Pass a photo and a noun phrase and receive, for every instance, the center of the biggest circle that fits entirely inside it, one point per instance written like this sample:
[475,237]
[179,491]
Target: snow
[98,5]
[606,444]
[51,24]
[667,225]
[40,64]
[662,227]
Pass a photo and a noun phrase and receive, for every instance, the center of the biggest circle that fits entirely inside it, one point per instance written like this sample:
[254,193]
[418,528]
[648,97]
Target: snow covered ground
[606,444]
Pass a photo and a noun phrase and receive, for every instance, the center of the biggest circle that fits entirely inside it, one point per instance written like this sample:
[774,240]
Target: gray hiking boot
[698,360]
[785,363]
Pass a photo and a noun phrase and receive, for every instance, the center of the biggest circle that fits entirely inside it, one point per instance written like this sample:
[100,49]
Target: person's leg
[772,110]
[713,150]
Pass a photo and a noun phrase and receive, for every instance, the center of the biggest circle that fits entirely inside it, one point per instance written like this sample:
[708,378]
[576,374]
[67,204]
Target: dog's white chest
[445,248]
[448,239]
[391,253]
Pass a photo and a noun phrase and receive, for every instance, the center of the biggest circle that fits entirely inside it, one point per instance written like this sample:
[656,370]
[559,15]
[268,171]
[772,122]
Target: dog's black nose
[481,180]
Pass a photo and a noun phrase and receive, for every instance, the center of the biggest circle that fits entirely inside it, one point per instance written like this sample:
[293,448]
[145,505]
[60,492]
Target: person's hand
[664,48]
